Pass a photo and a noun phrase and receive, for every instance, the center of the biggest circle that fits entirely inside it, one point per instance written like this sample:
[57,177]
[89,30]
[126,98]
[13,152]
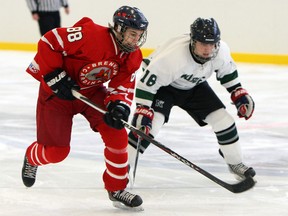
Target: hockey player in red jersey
[84,57]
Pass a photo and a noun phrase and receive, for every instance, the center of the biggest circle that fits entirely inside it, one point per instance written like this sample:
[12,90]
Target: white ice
[74,187]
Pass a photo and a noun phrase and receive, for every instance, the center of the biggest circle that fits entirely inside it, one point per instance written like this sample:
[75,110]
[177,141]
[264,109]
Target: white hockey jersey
[172,64]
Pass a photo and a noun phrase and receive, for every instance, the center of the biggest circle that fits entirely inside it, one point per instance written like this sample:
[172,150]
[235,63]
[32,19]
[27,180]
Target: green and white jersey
[172,64]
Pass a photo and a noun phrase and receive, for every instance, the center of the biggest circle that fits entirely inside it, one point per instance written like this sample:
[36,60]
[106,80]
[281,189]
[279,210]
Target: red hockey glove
[61,84]
[243,102]
[142,118]
[117,111]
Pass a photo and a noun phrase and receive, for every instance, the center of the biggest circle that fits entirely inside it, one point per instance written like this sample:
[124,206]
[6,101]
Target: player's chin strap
[242,186]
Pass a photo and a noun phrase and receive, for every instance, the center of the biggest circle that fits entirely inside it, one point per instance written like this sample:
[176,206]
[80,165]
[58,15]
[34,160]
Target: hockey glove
[116,112]
[61,84]
[142,118]
[243,102]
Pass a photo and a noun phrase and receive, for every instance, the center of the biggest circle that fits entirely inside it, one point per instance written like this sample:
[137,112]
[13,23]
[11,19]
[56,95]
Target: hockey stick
[242,186]
[136,160]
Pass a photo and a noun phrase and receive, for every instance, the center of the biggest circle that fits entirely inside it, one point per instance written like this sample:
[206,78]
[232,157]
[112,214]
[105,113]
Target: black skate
[28,173]
[125,200]
[241,171]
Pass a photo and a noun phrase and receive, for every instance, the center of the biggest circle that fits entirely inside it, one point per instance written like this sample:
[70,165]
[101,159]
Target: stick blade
[242,186]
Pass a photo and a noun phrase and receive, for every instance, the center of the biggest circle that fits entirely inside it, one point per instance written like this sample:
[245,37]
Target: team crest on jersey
[99,72]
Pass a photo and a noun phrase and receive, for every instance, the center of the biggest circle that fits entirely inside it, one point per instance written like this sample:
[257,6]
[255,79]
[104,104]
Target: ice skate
[28,173]
[241,171]
[125,200]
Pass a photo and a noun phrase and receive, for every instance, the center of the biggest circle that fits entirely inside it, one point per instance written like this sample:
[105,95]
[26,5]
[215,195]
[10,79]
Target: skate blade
[120,205]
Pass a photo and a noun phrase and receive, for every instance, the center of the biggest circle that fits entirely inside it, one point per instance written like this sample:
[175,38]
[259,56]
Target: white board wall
[249,26]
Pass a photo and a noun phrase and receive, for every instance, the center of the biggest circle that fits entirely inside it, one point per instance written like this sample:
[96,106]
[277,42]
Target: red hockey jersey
[89,54]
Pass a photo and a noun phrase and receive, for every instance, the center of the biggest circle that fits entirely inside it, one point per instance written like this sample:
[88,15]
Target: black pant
[198,102]
[48,21]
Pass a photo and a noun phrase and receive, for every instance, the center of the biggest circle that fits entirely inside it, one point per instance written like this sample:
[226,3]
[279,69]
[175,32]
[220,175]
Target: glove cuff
[52,76]
[238,93]
[112,104]
[145,111]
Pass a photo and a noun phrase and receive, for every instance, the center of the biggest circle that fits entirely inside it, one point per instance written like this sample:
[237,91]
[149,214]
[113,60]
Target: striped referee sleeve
[46,5]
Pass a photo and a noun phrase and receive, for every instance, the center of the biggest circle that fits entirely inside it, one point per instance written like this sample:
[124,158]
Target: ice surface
[168,187]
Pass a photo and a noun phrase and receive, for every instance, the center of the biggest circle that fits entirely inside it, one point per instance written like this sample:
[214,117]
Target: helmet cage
[120,38]
[202,59]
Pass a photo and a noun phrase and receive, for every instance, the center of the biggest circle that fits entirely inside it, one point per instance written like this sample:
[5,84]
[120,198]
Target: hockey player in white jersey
[176,74]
